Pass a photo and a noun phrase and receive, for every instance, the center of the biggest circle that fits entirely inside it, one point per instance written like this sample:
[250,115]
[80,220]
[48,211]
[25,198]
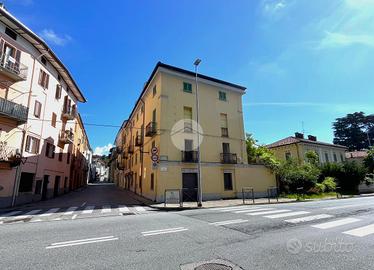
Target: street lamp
[199,186]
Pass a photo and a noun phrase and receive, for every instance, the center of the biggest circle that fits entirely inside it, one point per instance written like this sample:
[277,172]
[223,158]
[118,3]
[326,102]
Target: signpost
[154,157]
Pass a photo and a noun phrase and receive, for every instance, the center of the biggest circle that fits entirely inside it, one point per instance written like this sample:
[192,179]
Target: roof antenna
[302,127]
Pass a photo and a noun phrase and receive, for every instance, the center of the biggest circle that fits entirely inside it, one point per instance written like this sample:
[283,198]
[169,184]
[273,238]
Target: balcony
[130,149]
[229,158]
[12,68]
[189,156]
[139,140]
[9,156]
[150,129]
[69,113]
[224,132]
[66,137]
[13,110]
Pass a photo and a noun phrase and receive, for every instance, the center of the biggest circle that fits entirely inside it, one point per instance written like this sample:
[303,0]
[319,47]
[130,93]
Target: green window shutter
[187,87]
[222,96]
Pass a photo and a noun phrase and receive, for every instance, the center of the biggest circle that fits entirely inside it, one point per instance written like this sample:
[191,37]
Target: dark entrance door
[45,187]
[189,187]
[56,186]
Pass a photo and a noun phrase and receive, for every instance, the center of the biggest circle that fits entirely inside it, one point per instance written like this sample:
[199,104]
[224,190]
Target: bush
[318,188]
[329,184]
[369,161]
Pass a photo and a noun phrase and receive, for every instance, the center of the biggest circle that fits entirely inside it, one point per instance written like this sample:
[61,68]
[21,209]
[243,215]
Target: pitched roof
[356,154]
[293,140]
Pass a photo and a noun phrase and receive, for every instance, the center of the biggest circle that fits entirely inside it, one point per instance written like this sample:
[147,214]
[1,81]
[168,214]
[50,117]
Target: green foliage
[348,175]
[329,184]
[260,154]
[369,161]
[312,157]
[319,188]
[353,131]
[293,175]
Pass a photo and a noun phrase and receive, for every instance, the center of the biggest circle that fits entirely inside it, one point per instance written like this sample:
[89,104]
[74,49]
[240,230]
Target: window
[136,158]
[335,158]
[32,145]
[37,109]
[226,148]
[50,150]
[224,129]
[44,60]
[11,33]
[54,119]
[187,87]
[59,77]
[154,90]
[60,155]
[43,79]
[288,155]
[153,144]
[227,178]
[187,113]
[341,157]
[326,157]
[222,96]
[152,181]
[25,184]
[68,158]
[58,91]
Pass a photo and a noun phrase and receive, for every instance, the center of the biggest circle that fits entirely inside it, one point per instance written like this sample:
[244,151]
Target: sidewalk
[229,202]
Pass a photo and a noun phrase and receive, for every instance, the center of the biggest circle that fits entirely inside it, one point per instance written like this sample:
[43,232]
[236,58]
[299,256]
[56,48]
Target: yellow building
[296,146]
[159,140]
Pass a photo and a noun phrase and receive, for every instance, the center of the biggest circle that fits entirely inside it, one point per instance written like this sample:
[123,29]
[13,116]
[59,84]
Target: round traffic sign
[154,150]
[154,158]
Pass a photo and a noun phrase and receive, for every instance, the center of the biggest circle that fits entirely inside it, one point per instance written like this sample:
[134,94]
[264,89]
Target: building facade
[38,110]
[157,146]
[297,146]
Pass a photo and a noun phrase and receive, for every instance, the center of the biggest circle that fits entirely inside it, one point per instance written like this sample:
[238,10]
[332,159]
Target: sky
[304,62]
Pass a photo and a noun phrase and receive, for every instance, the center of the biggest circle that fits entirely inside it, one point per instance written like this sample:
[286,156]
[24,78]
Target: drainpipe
[142,147]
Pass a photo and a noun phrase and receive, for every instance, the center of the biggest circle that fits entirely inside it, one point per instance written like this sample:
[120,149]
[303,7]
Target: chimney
[312,138]
[299,135]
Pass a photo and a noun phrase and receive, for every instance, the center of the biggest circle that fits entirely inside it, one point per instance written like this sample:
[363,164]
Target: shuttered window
[187,87]
[43,79]
[50,150]
[54,119]
[58,91]
[37,109]
[222,95]
[32,145]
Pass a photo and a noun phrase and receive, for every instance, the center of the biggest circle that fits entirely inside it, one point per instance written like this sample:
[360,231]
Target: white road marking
[57,219]
[83,204]
[74,217]
[106,209]
[82,242]
[252,210]
[49,212]
[229,209]
[347,206]
[336,223]
[13,213]
[123,209]
[268,212]
[70,210]
[164,231]
[88,210]
[28,214]
[308,218]
[228,222]
[139,209]
[36,220]
[297,213]
[362,231]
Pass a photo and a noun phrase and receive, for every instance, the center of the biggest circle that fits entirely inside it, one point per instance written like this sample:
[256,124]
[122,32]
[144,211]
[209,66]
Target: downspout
[24,132]
[142,148]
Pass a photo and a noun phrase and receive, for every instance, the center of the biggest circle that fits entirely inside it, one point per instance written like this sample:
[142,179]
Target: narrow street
[96,200]
[334,234]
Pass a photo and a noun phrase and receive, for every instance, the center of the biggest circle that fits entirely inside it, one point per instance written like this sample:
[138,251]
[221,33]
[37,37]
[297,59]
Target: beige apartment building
[156,148]
[38,111]
[296,146]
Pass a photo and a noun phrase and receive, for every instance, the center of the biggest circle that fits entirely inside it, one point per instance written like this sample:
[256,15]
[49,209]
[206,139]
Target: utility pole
[199,185]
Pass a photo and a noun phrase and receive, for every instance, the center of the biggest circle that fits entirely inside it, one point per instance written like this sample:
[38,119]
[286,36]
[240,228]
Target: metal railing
[229,158]
[13,110]
[66,136]
[189,156]
[14,67]
[151,129]
[69,113]
[248,190]
[8,153]
[273,193]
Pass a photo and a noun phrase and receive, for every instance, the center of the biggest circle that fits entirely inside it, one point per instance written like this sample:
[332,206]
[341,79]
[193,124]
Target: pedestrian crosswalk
[72,213]
[326,221]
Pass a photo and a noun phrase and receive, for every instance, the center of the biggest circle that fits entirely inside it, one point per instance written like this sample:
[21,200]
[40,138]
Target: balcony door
[226,148]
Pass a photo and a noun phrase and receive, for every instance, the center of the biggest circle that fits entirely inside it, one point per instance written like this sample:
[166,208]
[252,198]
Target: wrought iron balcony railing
[229,158]
[69,113]
[151,129]
[189,156]
[12,68]
[66,137]
[13,110]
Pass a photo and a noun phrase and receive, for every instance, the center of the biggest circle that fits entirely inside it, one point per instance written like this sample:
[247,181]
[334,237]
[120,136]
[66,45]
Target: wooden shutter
[18,56]
[40,81]
[2,46]
[27,147]
[46,80]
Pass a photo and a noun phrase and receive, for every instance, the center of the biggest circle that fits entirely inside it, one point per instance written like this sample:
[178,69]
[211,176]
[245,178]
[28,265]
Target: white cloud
[50,36]
[103,150]
[271,7]
[333,40]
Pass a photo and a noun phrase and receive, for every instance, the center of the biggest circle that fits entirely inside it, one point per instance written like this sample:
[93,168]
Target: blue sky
[301,60]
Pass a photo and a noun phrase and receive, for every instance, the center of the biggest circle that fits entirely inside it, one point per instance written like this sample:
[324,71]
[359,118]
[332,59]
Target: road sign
[154,158]
[154,150]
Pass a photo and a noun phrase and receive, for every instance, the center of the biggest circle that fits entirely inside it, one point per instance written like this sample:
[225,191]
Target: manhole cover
[213,266]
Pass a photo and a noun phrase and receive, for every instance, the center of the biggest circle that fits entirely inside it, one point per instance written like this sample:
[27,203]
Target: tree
[369,160]
[353,131]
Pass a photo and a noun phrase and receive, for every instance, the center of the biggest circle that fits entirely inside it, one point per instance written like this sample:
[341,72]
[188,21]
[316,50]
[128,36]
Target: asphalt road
[333,234]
